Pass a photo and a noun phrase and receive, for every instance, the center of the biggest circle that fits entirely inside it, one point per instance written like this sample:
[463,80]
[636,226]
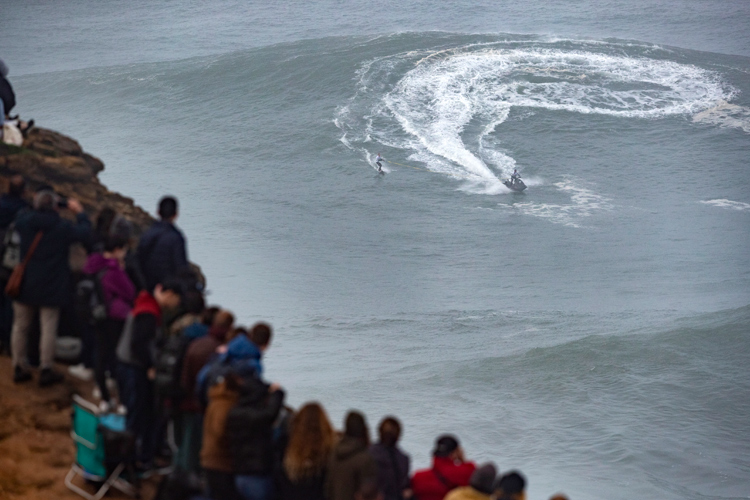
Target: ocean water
[591,331]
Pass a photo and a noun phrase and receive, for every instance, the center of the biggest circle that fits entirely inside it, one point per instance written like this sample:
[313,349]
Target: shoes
[49,377]
[104,406]
[81,372]
[20,375]
[96,393]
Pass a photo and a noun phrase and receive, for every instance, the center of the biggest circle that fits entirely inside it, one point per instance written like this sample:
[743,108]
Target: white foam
[725,115]
[728,204]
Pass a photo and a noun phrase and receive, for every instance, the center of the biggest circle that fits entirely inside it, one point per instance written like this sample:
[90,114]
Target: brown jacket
[215,454]
[466,493]
[350,466]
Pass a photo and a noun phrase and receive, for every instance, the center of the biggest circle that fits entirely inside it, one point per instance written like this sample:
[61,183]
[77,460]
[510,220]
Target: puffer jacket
[119,291]
[250,428]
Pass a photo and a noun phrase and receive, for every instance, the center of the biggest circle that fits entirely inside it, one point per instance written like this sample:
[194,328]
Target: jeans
[138,397]
[254,487]
[23,317]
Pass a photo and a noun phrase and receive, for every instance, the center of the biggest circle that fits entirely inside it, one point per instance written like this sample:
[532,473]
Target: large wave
[425,102]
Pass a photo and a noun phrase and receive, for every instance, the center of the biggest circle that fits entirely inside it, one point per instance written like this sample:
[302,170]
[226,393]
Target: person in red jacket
[449,470]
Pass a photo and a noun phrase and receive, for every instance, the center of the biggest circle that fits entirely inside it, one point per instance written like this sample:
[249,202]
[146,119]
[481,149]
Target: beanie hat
[483,477]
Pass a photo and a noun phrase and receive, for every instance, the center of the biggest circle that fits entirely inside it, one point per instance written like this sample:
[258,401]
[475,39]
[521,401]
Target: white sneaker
[104,407]
[96,393]
[81,372]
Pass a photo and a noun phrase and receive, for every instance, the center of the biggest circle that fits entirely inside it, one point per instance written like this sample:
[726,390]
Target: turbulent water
[591,331]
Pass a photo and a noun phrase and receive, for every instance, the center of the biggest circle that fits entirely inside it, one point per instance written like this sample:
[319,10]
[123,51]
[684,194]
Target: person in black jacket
[7,96]
[393,464]
[162,250]
[250,434]
[46,282]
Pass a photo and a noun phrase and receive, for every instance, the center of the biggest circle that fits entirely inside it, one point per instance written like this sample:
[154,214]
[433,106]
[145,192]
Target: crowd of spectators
[164,359]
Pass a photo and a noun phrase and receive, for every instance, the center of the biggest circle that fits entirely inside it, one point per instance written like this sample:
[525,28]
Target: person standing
[378,161]
[46,283]
[162,252]
[449,470]
[351,464]
[393,464]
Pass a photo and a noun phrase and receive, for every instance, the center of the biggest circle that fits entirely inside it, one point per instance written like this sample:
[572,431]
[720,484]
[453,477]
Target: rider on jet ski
[515,176]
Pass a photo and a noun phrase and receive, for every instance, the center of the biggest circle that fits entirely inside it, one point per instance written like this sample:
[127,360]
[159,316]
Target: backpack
[169,361]
[10,252]
[90,303]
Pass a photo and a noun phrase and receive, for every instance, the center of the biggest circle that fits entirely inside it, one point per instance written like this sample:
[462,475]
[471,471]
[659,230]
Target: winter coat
[466,493]
[393,470]
[445,475]
[9,208]
[137,345]
[161,253]
[349,467]
[311,488]
[119,291]
[250,429]
[46,281]
[215,453]
[197,355]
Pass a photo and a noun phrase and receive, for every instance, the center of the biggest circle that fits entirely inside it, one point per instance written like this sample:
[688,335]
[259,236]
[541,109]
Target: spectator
[216,459]
[11,204]
[46,284]
[192,312]
[250,434]
[351,465]
[480,485]
[7,96]
[393,464]
[135,354]
[511,486]
[201,328]
[191,411]
[161,251]
[311,444]
[449,471]
[119,294]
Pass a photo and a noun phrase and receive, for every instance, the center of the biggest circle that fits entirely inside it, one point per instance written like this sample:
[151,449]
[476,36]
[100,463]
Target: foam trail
[728,204]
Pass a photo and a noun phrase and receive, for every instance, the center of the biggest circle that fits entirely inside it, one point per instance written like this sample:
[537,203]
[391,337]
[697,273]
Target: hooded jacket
[119,291]
[161,253]
[349,467]
[250,428]
[242,358]
[46,282]
[445,475]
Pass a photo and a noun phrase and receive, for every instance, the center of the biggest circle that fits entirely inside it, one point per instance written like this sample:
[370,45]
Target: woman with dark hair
[393,464]
[311,443]
[351,464]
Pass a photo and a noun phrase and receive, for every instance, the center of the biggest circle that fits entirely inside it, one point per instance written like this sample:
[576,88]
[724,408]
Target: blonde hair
[311,442]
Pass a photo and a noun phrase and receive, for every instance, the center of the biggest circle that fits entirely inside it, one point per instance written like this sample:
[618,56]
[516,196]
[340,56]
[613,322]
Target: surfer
[379,159]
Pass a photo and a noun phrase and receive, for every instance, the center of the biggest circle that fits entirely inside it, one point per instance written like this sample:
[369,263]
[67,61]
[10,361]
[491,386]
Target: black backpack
[90,304]
[168,367]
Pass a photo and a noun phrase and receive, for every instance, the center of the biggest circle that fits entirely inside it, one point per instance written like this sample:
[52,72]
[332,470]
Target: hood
[241,348]
[349,446]
[145,303]
[97,262]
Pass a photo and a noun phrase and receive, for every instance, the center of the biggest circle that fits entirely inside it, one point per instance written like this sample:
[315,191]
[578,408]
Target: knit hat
[445,445]
[483,477]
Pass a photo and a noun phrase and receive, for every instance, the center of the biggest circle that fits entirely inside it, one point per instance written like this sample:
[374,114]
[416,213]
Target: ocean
[591,331]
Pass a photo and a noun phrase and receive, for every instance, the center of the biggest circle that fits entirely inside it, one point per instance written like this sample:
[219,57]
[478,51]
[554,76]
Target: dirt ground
[36,450]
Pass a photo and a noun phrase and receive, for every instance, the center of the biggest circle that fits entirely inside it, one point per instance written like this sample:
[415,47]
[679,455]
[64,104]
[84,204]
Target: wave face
[446,103]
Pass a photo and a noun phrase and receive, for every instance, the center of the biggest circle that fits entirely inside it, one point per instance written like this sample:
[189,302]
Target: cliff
[51,158]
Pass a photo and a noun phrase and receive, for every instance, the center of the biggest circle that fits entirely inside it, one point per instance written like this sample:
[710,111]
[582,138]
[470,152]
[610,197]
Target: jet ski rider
[515,176]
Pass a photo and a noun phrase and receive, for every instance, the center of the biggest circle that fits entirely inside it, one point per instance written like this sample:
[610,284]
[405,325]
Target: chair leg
[74,471]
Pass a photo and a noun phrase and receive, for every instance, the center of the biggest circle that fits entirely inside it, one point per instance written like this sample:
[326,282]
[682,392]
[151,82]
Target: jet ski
[516,185]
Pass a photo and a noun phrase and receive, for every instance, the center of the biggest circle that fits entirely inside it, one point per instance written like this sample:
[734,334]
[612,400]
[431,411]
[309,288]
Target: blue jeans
[254,487]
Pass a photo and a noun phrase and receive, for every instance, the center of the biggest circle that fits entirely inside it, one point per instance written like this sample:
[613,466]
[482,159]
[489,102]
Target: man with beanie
[480,485]
[449,471]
